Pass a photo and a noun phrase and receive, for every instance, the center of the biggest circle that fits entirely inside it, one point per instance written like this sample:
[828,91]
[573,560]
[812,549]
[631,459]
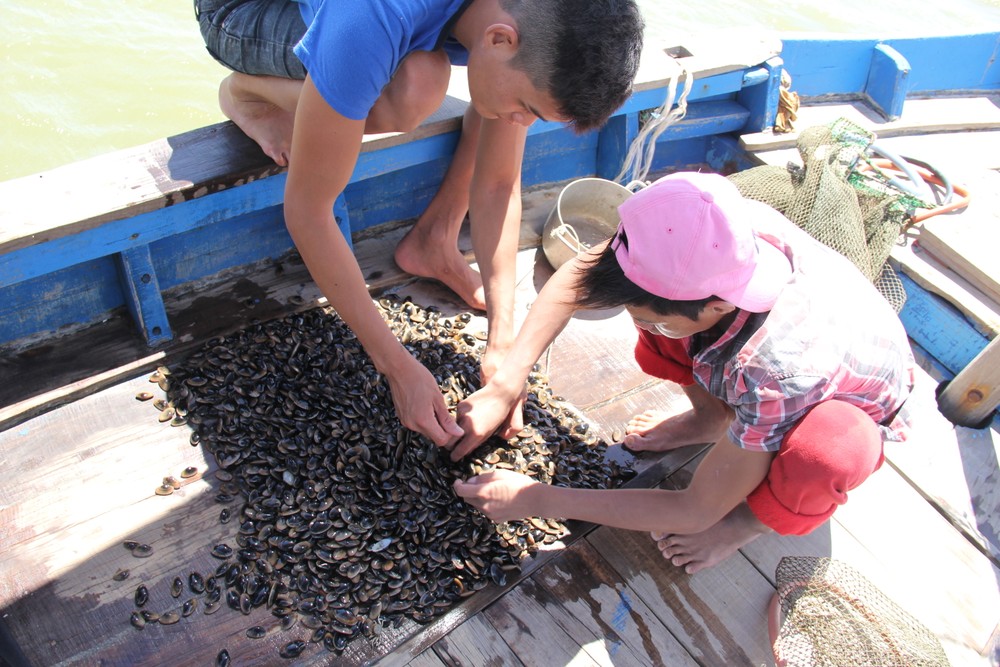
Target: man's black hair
[584,53]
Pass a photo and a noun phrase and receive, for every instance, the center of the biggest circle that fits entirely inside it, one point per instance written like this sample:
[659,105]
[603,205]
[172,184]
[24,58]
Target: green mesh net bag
[826,614]
[836,202]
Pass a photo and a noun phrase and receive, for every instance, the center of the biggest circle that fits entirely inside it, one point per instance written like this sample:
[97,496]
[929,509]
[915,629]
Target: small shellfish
[292,649]
[196,583]
[189,606]
[141,595]
[176,587]
[120,575]
[169,618]
[222,551]
[222,660]
[142,551]
[137,621]
[190,471]
[143,396]
[256,632]
[164,490]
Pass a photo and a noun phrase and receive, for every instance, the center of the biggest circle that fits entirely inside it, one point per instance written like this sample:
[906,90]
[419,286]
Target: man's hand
[502,495]
[420,405]
[479,416]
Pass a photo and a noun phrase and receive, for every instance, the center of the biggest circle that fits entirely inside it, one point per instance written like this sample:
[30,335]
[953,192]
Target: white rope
[639,158]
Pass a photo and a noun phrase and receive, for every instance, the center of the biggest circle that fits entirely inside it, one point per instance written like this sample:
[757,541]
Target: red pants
[829,452]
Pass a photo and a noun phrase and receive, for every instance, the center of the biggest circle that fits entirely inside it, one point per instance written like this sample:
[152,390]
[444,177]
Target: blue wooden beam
[142,294]
[760,95]
[888,81]
[613,143]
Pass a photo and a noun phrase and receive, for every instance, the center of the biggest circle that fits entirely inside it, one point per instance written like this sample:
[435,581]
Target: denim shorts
[253,36]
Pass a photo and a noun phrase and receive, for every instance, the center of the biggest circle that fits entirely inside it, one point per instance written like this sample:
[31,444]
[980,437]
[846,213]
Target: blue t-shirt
[352,47]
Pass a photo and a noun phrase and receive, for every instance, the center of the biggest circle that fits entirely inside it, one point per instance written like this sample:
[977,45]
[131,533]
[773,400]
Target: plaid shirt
[830,335]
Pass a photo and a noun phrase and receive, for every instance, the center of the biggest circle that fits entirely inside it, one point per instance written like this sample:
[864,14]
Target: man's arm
[495,224]
[722,481]
[325,147]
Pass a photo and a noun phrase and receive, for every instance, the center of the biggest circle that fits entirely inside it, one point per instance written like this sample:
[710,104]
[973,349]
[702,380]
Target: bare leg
[430,248]
[657,431]
[702,550]
[264,108]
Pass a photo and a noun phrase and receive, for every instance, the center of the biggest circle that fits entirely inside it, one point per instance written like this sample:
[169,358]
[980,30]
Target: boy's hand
[420,405]
[502,495]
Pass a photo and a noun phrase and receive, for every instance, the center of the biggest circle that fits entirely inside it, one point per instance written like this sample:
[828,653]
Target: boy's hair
[602,284]
[585,53]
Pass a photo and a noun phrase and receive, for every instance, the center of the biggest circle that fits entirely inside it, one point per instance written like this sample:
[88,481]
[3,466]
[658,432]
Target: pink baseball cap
[691,236]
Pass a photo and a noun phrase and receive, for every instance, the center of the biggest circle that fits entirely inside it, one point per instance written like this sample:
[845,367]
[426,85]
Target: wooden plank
[955,468]
[475,642]
[965,243]
[426,659]
[718,615]
[923,116]
[970,398]
[596,607]
[524,623]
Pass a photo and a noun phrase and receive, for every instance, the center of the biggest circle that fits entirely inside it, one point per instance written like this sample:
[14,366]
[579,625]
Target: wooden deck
[79,480]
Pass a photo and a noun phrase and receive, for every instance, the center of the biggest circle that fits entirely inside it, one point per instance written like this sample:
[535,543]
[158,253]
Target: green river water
[78,81]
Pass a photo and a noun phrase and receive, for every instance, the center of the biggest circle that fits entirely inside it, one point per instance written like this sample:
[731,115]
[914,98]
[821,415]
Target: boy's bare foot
[266,123]
[658,431]
[702,550]
[422,255]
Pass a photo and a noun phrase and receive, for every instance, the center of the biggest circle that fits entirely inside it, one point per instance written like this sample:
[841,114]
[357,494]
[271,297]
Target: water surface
[84,78]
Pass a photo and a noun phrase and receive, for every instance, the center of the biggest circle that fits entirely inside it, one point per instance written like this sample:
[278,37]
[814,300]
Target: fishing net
[853,210]
[830,615]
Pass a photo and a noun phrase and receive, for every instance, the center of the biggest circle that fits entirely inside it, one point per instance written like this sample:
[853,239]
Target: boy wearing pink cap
[795,366]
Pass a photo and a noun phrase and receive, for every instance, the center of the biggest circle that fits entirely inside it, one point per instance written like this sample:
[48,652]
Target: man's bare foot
[266,123]
[658,431]
[702,550]
[422,255]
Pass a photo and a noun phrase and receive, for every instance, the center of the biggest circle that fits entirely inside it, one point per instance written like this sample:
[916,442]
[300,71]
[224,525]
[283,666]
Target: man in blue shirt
[311,78]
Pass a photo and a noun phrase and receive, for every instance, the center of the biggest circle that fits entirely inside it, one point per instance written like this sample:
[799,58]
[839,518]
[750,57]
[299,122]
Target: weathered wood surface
[101,457]
[920,116]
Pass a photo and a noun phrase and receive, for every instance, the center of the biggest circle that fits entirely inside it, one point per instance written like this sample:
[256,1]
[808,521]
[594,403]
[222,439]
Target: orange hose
[930,177]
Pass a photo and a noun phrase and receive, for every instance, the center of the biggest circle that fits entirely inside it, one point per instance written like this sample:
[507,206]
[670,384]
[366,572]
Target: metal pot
[585,215]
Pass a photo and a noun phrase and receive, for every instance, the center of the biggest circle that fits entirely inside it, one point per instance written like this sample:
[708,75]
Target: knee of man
[418,87]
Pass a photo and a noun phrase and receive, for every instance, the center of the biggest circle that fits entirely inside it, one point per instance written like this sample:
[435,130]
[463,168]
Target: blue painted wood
[888,81]
[343,218]
[206,251]
[142,294]
[120,235]
[613,143]
[760,94]
[70,297]
[839,66]
[939,328]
